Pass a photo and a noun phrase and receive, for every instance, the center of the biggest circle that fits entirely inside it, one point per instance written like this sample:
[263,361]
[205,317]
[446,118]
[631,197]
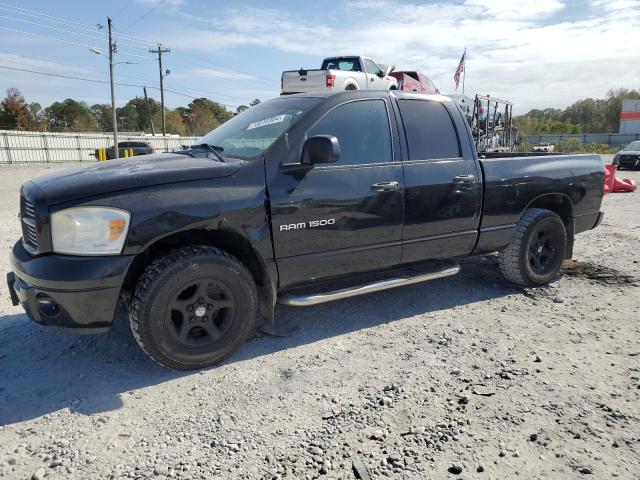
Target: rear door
[443,188]
[344,217]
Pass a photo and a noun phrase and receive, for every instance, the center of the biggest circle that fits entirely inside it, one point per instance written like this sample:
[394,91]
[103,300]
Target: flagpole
[464,69]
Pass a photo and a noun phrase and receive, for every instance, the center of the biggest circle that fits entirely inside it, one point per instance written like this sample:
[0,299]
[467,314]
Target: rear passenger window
[430,131]
[362,128]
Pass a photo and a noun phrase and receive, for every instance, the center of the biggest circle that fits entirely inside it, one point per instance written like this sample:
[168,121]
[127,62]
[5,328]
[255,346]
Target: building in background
[630,116]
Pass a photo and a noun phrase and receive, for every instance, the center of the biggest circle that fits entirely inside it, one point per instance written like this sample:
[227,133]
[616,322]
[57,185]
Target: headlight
[89,230]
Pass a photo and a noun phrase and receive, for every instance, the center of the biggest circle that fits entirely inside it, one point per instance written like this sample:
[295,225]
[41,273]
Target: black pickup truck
[299,200]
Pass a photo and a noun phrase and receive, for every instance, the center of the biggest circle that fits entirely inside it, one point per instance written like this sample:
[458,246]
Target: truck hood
[127,173]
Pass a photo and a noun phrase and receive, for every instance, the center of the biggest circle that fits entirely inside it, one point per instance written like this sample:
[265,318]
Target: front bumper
[71,292]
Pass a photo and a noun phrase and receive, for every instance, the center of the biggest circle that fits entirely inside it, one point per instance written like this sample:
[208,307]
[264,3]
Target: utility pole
[160,51]
[112,49]
[146,101]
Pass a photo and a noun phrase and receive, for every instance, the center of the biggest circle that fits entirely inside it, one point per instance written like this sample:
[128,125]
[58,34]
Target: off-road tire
[515,261]
[151,313]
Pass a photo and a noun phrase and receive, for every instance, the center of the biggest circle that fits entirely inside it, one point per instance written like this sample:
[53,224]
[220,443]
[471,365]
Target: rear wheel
[350,87]
[193,307]
[537,249]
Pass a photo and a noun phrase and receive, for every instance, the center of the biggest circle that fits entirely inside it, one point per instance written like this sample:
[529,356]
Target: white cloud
[546,52]
[20,61]
[223,73]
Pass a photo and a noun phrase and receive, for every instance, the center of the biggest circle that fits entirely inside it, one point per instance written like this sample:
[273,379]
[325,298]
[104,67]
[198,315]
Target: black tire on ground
[537,249]
[193,307]
[350,87]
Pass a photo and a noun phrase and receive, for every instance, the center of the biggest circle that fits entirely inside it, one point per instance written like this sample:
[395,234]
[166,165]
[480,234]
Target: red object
[609,177]
[629,115]
[331,79]
[615,185]
[626,185]
[414,82]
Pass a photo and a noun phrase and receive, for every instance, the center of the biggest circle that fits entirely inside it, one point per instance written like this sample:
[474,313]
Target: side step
[305,300]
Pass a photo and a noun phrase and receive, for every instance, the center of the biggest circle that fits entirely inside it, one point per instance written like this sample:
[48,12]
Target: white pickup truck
[340,73]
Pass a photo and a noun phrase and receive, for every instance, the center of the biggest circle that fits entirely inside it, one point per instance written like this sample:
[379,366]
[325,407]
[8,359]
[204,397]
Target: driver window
[372,67]
[362,128]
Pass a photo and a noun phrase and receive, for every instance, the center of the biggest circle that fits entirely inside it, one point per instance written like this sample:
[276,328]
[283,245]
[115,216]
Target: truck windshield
[251,132]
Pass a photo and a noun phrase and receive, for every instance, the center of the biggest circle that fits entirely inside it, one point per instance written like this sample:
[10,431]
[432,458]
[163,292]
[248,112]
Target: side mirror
[320,149]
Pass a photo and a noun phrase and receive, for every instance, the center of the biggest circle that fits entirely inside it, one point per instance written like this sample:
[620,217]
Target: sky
[536,53]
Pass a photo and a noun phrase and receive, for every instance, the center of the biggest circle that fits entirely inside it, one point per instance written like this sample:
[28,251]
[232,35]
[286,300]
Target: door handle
[385,186]
[464,179]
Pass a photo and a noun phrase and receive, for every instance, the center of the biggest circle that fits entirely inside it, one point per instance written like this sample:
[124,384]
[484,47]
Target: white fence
[45,147]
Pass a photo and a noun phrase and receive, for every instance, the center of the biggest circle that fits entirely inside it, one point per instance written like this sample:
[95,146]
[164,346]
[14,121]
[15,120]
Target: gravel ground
[461,377]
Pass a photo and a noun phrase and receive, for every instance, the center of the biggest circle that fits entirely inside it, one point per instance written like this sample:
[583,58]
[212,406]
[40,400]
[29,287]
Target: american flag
[459,70]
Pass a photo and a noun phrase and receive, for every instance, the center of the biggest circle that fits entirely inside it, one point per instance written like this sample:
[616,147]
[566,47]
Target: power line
[65,31]
[138,39]
[73,77]
[70,23]
[126,5]
[143,16]
[68,41]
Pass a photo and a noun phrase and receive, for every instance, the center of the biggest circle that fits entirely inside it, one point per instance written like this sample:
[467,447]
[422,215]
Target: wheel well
[351,86]
[561,206]
[557,203]
[228,241]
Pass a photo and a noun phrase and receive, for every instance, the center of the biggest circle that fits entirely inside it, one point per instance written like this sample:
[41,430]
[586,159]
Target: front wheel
[193,307]
[537,249]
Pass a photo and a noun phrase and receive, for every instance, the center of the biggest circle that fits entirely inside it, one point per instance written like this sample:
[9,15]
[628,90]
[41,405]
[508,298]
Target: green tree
[134,117]
[70,115]
[203,115]
[174,121]
[102,114]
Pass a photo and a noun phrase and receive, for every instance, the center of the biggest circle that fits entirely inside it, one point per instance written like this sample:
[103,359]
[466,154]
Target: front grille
[29,222]
[629,160]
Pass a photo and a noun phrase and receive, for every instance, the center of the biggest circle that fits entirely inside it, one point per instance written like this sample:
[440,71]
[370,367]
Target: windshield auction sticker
[267,121]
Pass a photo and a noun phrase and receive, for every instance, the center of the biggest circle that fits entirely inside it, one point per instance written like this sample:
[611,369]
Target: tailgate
[300,81]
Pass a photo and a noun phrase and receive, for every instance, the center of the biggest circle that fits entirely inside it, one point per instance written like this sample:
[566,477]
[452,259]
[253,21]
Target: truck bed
[512,180]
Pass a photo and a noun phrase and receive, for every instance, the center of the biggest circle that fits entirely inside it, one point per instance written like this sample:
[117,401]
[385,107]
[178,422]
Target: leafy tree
[70,115]
[588,115]
[174,121]
[242,108]
[203,115]
[14,111]
[134,117]
[102,114]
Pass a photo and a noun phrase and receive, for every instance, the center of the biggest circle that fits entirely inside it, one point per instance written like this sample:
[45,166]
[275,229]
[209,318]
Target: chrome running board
[294,300]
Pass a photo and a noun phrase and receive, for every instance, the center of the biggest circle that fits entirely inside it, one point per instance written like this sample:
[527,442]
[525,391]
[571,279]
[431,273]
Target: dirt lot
[462,377]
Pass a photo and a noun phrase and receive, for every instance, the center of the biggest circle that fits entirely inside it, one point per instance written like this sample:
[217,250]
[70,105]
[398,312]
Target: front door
[344,217]
[443,187]
[374,81]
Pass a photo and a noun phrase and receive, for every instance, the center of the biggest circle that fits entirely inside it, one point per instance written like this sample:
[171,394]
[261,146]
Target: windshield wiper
[212,148]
